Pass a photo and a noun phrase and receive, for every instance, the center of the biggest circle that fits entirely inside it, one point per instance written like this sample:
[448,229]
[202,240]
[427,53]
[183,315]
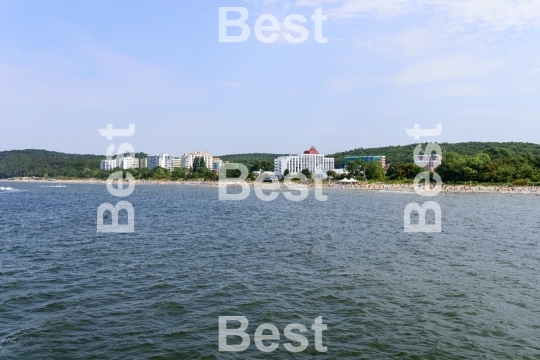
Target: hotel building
[216,164]
[187,159]
[316,163]
[129,162]
[428,162]
[108,164]
[163,160]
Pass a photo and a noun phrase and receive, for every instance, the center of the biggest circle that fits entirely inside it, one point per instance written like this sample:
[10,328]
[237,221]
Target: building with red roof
[310,159]
[312,151]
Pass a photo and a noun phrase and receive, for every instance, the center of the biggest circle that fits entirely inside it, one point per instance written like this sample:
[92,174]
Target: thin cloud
[105,79]
[446,69]
[492,14]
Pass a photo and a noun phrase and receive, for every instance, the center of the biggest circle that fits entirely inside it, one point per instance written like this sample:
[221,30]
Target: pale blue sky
[68,68]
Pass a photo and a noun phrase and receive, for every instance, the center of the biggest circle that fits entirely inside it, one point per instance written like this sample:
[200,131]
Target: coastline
[380,187]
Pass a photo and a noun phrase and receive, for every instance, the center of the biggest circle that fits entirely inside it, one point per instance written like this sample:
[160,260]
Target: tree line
[515,163]
[497,165]
[494,165]
[404,154]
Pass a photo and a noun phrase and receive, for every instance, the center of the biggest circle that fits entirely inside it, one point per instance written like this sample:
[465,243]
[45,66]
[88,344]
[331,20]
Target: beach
[467,189]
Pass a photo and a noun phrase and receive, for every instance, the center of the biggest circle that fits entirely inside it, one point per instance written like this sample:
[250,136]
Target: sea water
[69,292]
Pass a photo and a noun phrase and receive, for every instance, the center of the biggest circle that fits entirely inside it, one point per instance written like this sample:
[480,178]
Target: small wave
[9,189]
[54,186]
[398,191]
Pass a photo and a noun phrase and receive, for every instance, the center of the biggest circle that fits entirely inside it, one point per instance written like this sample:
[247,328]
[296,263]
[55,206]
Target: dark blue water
[68,292]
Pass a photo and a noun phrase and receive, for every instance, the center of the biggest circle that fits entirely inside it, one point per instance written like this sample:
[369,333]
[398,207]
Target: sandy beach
[502,189]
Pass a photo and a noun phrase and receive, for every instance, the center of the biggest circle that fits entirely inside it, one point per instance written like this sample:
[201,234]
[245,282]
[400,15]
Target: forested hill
[404,154]
[39,162]
[394,154]
[54,164]
[253,162]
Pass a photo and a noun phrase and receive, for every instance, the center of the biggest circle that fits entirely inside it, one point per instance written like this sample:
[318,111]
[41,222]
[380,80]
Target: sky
[69,68]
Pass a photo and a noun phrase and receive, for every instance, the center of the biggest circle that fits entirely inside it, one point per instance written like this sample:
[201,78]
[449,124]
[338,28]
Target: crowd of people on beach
[324,184]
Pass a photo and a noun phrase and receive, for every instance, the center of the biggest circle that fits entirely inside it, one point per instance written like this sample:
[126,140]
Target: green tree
[374,171]
[451,168]
[178,174]
[233,173]
[307,173]
[356,167]
[202,163]
[160,173]
[195,165]
[264,165]
[401,171]
[199,166]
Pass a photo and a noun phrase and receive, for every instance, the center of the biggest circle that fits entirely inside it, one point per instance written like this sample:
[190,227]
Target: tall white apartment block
[129,162]
[187,159]
[177,162]
[311,159]
[108,164]
[163,160]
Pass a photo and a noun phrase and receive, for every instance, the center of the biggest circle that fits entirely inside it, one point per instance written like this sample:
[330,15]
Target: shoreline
[401,188]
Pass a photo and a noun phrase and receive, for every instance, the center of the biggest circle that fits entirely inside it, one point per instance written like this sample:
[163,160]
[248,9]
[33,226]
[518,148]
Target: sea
[471,291]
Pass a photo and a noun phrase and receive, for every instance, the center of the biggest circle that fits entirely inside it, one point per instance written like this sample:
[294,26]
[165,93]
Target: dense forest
[494,165]
[41,163]
[253,162]
[404,154]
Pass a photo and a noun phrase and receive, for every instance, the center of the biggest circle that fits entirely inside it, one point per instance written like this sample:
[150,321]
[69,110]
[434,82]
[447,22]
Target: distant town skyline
[70,68]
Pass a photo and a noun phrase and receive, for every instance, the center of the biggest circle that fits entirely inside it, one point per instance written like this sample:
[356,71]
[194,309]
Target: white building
[129,162]
[163,160]
[316,163]
[216,164]
[142,163]
[177,162]
[108,164]
[270,175]
[188,158]
[428,162]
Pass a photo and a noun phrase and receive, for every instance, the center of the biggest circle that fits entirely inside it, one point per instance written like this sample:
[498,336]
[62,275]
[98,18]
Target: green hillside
[38,163]
[404,154]
[401,154]
[507,161]
[253,161]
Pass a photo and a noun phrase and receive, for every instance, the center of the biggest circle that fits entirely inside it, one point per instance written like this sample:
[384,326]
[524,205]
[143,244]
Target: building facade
[142,163]
[188,158]
[428,162]
[316,163]
[108,164]
[177,162]
[216,164]
[366,159]
[162,160]
[129,162]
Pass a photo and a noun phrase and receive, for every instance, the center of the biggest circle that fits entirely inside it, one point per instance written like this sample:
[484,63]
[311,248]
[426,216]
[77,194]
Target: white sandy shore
[365,187]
